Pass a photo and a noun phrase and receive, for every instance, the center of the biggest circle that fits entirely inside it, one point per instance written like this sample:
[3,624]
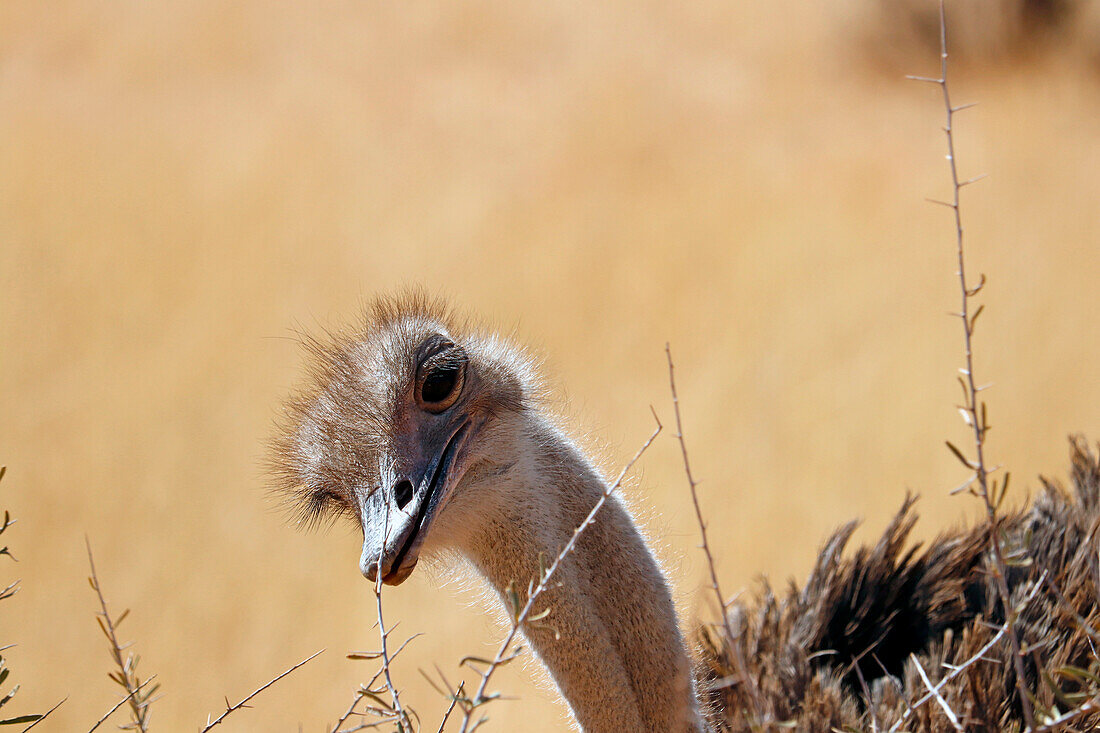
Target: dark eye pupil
[439,384]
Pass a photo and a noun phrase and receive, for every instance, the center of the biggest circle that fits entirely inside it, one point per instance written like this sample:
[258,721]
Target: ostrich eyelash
[322,507]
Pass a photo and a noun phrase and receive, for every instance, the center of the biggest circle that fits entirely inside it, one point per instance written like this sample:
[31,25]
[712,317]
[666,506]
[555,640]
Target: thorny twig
[348,713]
[734,644]
[119,704]
[957,670]
[364,692]
[935,692]
[367,691]
[231,708]
[398,711]
[393,711]
[126,676]
[505,653]
[45,715]
[1091,706]
[973,410]
[454,694]
[451,708]
[7,592]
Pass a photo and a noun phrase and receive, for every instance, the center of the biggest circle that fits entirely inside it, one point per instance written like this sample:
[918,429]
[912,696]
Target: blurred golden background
[182,183]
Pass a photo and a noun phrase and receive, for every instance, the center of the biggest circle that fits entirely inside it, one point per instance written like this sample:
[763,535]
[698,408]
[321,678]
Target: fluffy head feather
[355,397]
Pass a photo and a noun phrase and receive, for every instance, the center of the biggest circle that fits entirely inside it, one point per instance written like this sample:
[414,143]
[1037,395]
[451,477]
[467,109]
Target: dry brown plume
[896,637]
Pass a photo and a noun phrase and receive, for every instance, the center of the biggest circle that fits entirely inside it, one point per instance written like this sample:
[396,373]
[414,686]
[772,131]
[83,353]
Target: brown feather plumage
[838,653]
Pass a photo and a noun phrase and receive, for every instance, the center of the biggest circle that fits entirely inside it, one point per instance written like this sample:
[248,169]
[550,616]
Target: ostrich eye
[442,378]
[439,384]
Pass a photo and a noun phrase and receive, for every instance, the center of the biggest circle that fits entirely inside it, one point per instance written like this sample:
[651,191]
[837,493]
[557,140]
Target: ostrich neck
[611,640]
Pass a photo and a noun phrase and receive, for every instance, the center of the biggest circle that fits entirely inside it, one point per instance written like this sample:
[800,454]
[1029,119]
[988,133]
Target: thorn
[929,79]
[948,204]
[961,107]
[975,179]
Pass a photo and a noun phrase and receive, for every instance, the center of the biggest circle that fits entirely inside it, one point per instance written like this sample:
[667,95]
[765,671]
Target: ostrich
[433,437]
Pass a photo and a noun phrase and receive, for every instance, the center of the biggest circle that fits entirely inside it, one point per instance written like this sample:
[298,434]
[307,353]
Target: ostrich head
[402,424]
[433,436]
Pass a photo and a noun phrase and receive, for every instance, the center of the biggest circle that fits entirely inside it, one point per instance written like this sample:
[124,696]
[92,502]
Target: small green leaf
[1082,675]
[538,616]
[364,655]
[20,719]
[468,661]
[9,696]
[958,454]
[513,603]
[974,317]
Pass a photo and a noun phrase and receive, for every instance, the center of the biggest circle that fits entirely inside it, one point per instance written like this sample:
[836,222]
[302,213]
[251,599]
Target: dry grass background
[180,183]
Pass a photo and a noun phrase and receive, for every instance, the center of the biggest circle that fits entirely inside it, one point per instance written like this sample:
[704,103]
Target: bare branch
[1091,706]
[734,644]
[386,712]
[956,671]
[120,703]
[976,418]
[244,703]
[45,715]
[935,692]
[349,712]
[127,674]
[450,708]
[402,717]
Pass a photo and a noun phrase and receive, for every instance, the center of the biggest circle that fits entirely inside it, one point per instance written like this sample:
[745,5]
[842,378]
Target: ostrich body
[433,438]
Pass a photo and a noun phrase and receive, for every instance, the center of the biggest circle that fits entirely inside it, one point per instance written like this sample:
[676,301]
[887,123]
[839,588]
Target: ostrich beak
[397,516]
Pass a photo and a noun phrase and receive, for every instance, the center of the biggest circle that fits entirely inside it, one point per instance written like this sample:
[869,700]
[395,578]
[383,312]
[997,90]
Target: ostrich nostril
[403,493]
